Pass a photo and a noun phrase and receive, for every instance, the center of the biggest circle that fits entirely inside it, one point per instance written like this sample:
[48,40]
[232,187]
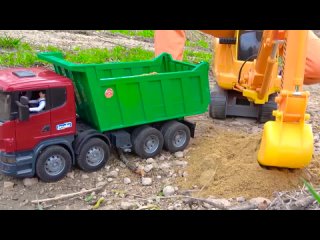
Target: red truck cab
[26,135]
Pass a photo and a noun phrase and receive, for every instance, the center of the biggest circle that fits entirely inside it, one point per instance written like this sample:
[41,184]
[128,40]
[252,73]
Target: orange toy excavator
[259,73]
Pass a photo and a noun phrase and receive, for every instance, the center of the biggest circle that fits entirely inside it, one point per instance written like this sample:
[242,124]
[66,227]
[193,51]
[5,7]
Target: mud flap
[284,144]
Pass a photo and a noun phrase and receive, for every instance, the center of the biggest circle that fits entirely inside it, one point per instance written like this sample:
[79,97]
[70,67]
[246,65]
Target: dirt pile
[224,163]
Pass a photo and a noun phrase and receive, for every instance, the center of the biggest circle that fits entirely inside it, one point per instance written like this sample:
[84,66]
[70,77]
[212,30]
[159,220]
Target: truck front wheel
[94,155]
[53,164]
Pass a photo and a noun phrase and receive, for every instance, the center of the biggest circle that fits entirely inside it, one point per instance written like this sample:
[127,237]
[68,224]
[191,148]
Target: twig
[64,196]
[130,164]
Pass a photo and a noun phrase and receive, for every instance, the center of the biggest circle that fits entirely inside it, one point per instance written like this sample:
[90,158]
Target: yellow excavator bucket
[286,144]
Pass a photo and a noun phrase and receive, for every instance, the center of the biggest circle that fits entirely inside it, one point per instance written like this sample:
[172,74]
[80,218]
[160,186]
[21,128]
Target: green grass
[199,43]
[9,42]
[25,55]
[141,33]
[195,57]
[117,54]
[312,191]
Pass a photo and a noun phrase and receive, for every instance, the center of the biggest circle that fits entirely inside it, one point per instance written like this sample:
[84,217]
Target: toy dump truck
[133,106]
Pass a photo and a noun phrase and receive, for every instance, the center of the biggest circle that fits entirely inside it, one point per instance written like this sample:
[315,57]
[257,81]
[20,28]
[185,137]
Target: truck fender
[65,142]
[84,136]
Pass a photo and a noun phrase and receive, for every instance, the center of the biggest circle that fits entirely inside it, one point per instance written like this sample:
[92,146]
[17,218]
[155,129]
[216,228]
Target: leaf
[88,198]
[97,205]
[312,191]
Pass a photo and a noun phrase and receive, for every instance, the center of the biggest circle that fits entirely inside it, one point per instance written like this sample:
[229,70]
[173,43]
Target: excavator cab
[249,44]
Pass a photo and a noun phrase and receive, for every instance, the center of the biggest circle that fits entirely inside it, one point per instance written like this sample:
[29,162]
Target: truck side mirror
[23,108]
[24,100]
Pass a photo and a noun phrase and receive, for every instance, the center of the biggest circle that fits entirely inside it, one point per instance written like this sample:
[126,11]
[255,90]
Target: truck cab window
[58,97]
[38,102]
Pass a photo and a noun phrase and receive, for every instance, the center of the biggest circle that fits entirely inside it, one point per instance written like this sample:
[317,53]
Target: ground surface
[219,165]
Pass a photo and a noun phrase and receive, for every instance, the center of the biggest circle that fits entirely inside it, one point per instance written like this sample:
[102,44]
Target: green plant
[9,42]
[312,191]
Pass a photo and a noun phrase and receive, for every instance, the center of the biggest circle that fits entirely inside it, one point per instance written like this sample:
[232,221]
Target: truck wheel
[148,142]
[176,136]
[53,164]
[94,155]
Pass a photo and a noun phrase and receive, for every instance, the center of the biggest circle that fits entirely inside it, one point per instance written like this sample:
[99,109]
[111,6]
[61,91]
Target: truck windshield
[5,103]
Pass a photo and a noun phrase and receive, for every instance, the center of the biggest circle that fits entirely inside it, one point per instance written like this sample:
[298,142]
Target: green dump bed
[116,95]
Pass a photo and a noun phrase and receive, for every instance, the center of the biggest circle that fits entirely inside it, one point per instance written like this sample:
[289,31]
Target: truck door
[37,128]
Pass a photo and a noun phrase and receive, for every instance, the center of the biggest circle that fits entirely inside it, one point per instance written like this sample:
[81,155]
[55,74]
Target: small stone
[148,168]
[8,185]
[220,201]
[178,154]
[113,174]
[122,165]
[70,175]
[107,168]
[146,181]
[161,158]
[207,205]
[158,177]
[171,208]
[240,199]
[164,165]
[128,205]
[168,191]
[84,176]
[104,194]
[150,160]
[41,191]
[110,179]
[260,201]
[177,206]
[117,169]
[126,180]
[184,174]
[100,179]
[155,165]
[180,163]
[100,184]
[27,182]
[67,207]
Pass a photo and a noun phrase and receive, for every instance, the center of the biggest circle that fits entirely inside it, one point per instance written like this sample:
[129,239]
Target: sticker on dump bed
[64,126]
[109,93]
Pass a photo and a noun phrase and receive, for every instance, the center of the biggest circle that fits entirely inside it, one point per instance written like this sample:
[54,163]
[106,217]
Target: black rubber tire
[169,130]
[136,131]
[265,112]
[50,152]
[97,143]
[140,138]
[218,107]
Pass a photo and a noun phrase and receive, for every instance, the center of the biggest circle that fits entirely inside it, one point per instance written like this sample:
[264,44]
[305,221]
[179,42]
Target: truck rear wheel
[176,136]
[94,155]
[147,142]
[53,164]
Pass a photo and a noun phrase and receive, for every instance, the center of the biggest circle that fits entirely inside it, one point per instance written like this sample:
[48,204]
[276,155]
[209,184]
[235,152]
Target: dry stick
[216,205]
[64,196]
[130,164]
